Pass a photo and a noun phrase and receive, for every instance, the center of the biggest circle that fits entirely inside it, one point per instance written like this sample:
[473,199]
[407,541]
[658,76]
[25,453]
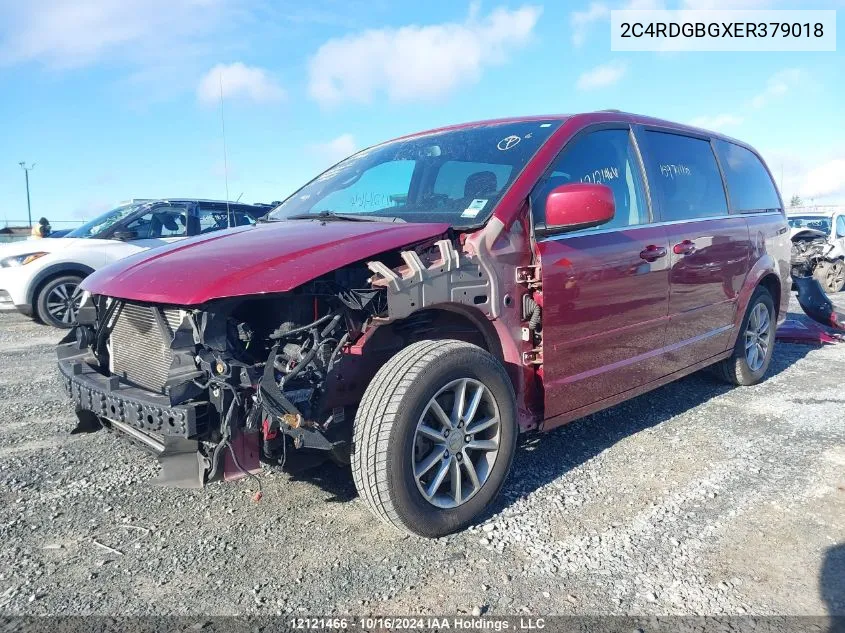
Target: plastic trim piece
[453,278]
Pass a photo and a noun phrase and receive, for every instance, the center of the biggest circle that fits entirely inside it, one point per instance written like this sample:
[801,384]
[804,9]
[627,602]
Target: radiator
[139,350]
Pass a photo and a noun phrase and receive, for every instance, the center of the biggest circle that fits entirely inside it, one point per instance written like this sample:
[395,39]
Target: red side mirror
[579,205]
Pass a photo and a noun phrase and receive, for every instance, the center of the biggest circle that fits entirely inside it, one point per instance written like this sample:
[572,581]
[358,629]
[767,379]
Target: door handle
[686,247]
[652,253]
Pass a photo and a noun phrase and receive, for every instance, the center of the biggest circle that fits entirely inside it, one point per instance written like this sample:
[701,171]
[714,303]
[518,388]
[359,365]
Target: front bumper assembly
[108,397]
[147,419]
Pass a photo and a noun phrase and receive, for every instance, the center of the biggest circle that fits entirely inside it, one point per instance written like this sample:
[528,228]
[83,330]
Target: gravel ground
[693,499]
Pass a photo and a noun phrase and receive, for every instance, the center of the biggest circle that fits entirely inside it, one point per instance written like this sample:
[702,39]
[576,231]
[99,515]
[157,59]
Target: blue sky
[114,99]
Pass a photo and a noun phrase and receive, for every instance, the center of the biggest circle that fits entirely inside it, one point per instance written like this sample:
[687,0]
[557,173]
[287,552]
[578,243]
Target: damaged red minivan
[418,305]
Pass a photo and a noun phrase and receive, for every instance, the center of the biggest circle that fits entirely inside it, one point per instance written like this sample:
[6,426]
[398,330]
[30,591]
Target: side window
[215,218]
[161,221]
[459,179]
[750,187]
[840,226]
[242,218]
[684,177]
[605,157]
[380,187]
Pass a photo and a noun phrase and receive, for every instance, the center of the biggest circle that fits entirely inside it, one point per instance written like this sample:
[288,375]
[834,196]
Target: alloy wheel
[835,278]
[63,302]
[758,335]
[456,443]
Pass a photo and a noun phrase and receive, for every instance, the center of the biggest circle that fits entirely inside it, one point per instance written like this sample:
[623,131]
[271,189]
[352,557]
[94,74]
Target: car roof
[231,203]
[584,118]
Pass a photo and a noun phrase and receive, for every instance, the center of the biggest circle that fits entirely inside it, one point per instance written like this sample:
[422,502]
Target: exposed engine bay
[808,248]
[270,367]
[205,386]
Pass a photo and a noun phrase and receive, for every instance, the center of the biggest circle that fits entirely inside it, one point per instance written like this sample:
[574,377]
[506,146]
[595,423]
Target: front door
[605,290]
[163,224]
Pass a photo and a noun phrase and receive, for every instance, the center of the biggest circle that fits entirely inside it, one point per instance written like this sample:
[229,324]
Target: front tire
[59,300]
[831,275]
[753,350]
[434,437]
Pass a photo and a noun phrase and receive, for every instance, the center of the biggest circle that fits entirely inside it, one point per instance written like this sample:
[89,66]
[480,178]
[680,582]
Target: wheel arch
[442,321]
[461,314]
[385,339]
[771,273]
[50,273]
[771,282]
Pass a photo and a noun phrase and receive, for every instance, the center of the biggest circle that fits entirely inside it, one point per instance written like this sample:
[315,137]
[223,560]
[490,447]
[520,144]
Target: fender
[52,271]
[765,265]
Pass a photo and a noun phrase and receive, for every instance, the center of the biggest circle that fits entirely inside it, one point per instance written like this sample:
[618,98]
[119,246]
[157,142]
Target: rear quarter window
[684,177]
[750,188]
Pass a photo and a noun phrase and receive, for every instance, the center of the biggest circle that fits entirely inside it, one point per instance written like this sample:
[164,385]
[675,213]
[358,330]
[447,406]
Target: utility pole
[26,171]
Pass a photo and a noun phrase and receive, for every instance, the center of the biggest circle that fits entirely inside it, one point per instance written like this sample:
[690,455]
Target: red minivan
[419,304]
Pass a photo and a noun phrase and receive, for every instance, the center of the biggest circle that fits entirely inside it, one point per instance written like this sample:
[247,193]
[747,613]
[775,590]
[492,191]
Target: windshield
[104,222]
[817,222]
[456,176]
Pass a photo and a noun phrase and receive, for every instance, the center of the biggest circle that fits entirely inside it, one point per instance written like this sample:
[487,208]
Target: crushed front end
[810,249]
[208,388]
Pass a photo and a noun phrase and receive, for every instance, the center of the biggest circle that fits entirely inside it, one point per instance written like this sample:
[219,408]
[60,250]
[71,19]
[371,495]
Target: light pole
[26,171]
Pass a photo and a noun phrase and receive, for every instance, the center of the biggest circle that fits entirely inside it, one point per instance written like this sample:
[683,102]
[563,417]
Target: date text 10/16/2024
[420,623]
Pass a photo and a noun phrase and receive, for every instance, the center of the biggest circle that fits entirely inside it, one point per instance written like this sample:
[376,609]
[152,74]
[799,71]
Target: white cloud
[336,149]
[239,82]
[815,174]
[825,181]
[417,62]
[718,122]
[580,21]
[67,34]
[601,76]
[778,85]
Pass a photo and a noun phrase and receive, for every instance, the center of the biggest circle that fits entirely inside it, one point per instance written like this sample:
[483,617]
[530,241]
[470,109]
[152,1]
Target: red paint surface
[705,282]
[605,308]
[807,333]
[273,257]
[624,313]
[579,205]
[246,448]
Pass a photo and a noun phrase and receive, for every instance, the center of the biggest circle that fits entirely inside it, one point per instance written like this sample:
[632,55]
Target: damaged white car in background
[818,245]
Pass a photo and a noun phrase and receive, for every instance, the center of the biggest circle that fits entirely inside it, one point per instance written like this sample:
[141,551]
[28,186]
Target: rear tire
[59,300]
[753,350]
[831,275]
[427,457]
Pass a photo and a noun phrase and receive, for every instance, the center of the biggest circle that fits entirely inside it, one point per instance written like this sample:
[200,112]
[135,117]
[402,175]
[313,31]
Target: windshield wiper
[350,217]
